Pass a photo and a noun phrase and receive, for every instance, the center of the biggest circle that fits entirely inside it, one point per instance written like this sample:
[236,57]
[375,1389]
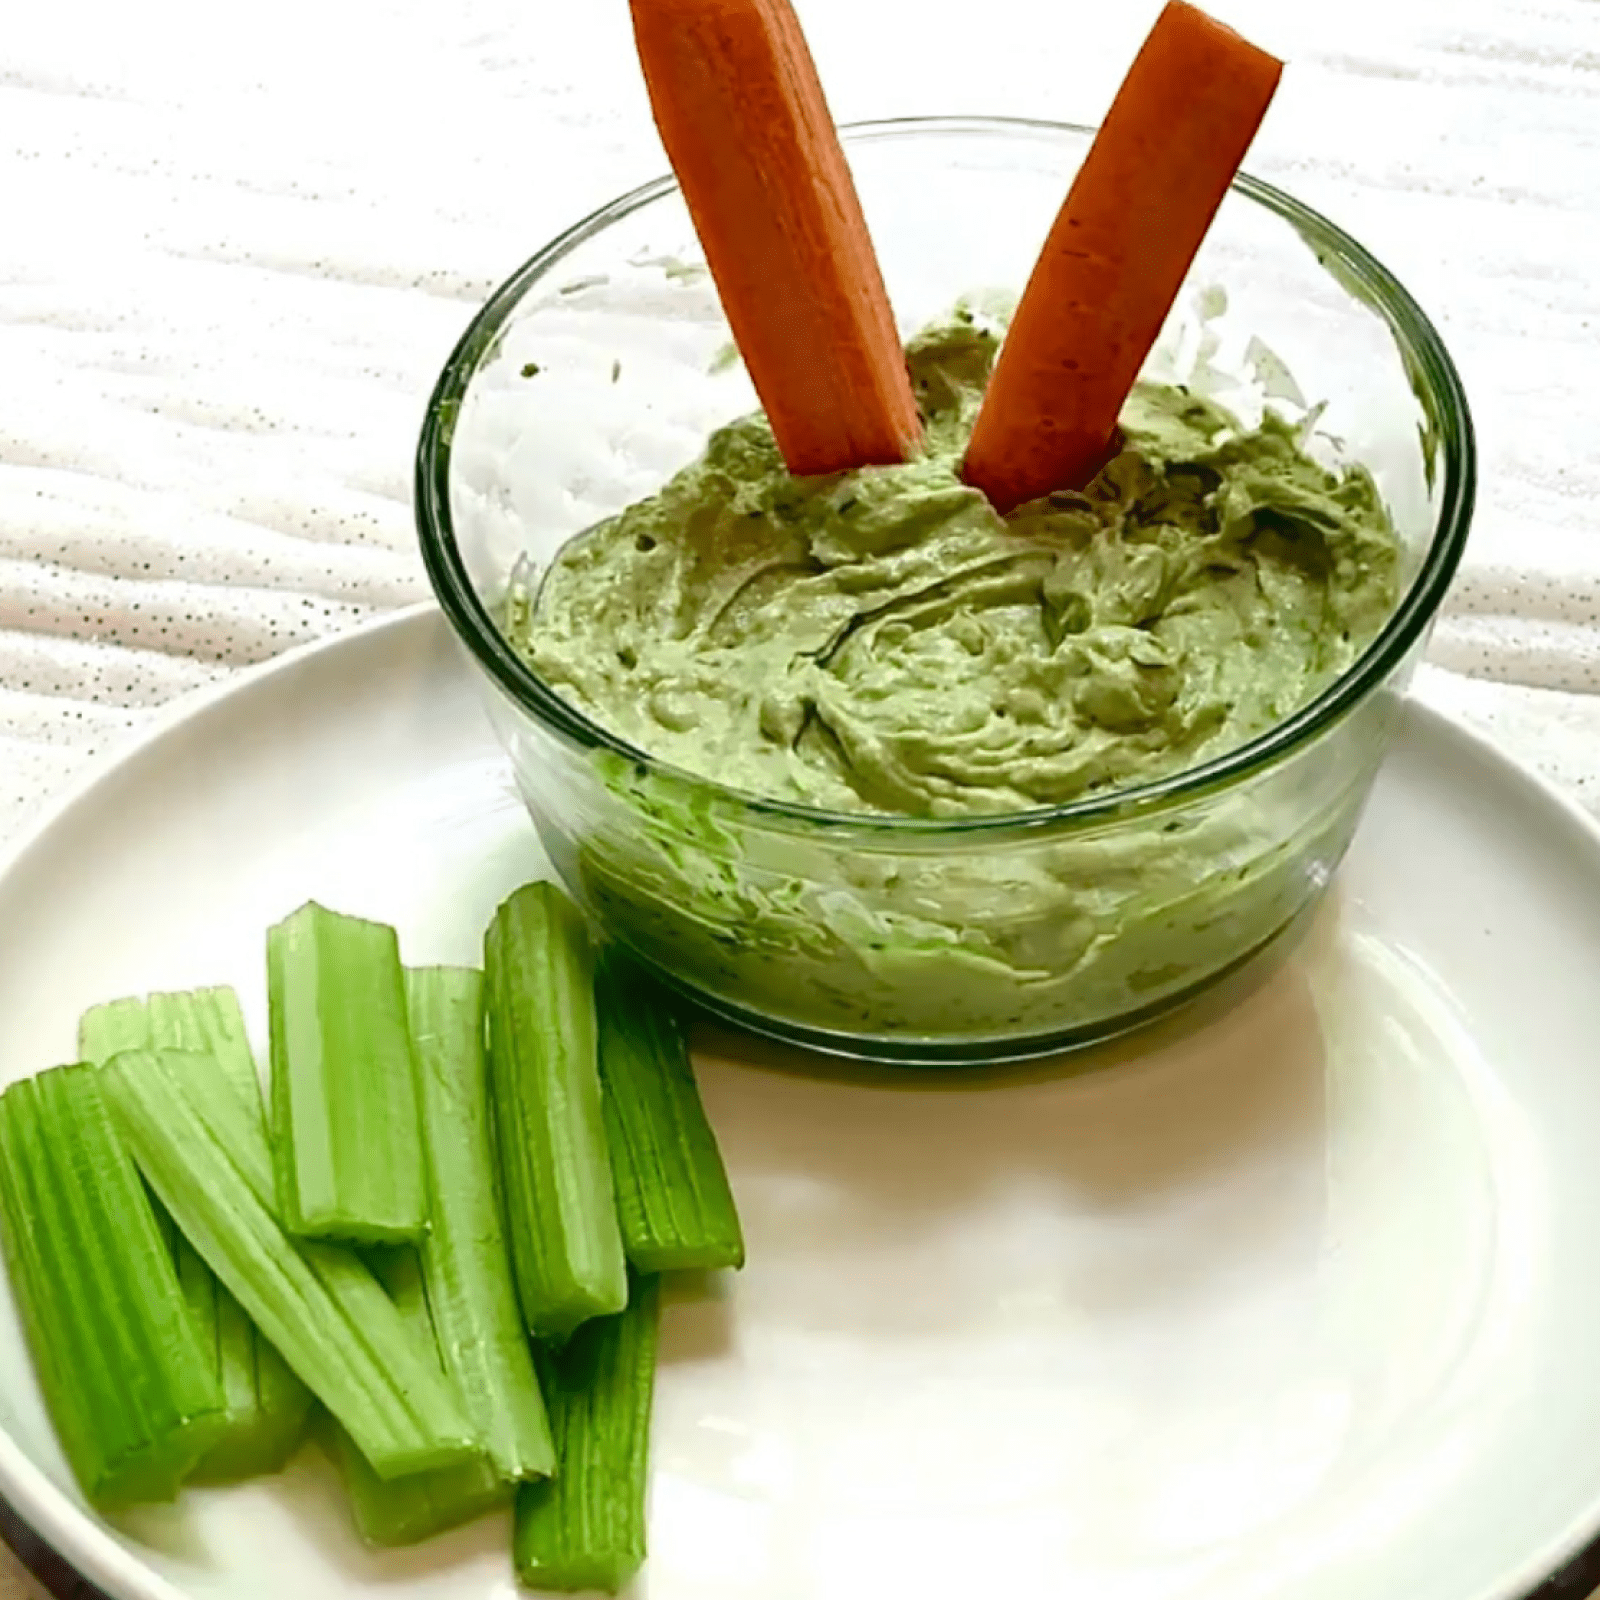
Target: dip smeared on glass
[883,641]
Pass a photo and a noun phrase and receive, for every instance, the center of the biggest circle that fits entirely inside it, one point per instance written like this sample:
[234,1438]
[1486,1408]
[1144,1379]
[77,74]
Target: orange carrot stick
[1117,255]
[748,132]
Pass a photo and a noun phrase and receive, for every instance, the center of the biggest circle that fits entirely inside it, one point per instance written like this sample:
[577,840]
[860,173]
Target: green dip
[883,641]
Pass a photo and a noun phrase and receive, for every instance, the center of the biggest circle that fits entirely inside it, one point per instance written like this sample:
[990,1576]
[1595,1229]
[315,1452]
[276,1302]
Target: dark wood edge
[57,1575]
[1577,1580]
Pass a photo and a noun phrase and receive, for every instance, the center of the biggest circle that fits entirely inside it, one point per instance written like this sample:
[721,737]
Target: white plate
[1297,1297]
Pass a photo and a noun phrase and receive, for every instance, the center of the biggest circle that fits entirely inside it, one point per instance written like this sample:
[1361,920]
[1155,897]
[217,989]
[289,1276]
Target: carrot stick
[748,132]
[1117,255]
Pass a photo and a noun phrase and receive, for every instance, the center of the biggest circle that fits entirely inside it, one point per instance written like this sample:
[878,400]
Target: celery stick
[585,1528]
[673,1199]
[464,1258]
[266,1406]
[133,1396]
[283,1406]
[116,1025]
[403,1511]
[205,1020]
[104,1031]
[545,1085]
[206,1155]
[208,1021]
[346,1138]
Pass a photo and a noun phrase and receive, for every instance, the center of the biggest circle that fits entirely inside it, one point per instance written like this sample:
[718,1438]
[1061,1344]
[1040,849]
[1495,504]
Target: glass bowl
[600,368]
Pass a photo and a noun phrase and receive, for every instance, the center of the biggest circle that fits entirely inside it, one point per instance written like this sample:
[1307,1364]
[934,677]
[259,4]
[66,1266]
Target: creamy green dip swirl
[882,641]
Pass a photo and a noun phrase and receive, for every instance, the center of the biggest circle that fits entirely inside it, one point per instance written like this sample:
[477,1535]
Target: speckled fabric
[236,244]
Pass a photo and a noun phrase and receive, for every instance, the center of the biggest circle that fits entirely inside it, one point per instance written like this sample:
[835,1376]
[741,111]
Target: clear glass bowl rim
[1433,375]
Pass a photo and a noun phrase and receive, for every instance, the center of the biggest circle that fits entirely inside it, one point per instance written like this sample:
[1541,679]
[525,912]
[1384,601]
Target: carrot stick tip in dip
[1117,255]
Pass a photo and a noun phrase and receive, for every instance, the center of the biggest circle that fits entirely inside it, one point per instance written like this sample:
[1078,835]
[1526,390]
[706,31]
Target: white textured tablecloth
[236,244]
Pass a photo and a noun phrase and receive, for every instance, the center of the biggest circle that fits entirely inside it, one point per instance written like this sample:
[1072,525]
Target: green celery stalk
[673,1199]
[266,1406]
[389,1513]
[585,1528]
[211,1022]
[283,1405]
[464,1258]
[346,1138]
[544,1083]
[206,1156]
[117,1025]
[403,1511]
[206,1021]
[134,1398]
